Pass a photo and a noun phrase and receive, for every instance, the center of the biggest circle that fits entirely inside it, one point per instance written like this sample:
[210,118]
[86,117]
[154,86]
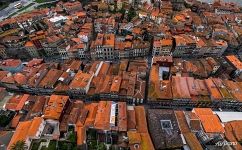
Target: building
[11,65]
[184,45]
[164,129]
[103,47]
[3,53]
[17,102]
[58,20]
[49,81]
[235,63]
[162,47]
[72,7]
[232,130]
[210,122]
[105,25]
[56,107]
[187,45]
[81,83]
[27,131]
[50,45]
[31,49]
[78,51]
[63,51]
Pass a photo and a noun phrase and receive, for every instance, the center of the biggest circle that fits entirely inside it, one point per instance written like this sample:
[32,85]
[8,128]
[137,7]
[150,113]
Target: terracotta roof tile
[103,115]
[21,133]
[182,122]
[131,120]
[141,123]
[192,141]
[25,130]
[134,137]
[29,44]
[116,84]
[234,61]
[215,94]
[81,135]
[92,111]
[50,79]
[55,107]
[81,80]
[122,116]
[17,102]
[3,74]
[233,132]
[210,122]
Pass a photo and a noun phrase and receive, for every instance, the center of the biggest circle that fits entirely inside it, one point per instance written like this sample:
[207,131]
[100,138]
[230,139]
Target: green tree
[19,145]
[131,14]
[4,121]
[72,137]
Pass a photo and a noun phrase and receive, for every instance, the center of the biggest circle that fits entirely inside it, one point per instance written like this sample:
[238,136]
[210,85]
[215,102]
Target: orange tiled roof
[80,80]
[25,130]
[3,74]
[109,40]
[33,128]
[103,115]
[29,44]
[75,65]
[146,142]
[192,141]
[50,79]
[210,121]
[141,123]
[10,63]
[106,84]
[17,102]
[116,84]
[131,120]
[15,121]
[234,89]
[122,116]
[80,14]
[215,94]
[20,78]
[166,42]
[20,133]
[233,133]
[234,61]
[55,107]
[34,62]
[81,135]
[180,88]
[134,137]
[92,111]
[182,121]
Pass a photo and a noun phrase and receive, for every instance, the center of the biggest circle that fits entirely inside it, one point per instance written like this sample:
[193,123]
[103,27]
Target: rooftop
[103,115]
[81,80]
[12,63]
[50,79]
[210,121]
[164,129]
[17,102]
[234,61]
[25,130]
[55,107]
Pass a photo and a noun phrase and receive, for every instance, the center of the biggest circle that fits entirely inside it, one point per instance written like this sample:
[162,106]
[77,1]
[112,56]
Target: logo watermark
[224,143]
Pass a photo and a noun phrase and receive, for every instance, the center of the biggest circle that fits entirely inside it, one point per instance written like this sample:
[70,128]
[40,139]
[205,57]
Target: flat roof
[228,116]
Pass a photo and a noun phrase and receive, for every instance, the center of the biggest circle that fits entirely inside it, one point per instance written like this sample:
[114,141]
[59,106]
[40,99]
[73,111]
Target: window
[166,124]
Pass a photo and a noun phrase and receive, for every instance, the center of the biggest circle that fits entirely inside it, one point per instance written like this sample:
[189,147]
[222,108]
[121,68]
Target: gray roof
[229,116]
[164,129]
[5,138]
